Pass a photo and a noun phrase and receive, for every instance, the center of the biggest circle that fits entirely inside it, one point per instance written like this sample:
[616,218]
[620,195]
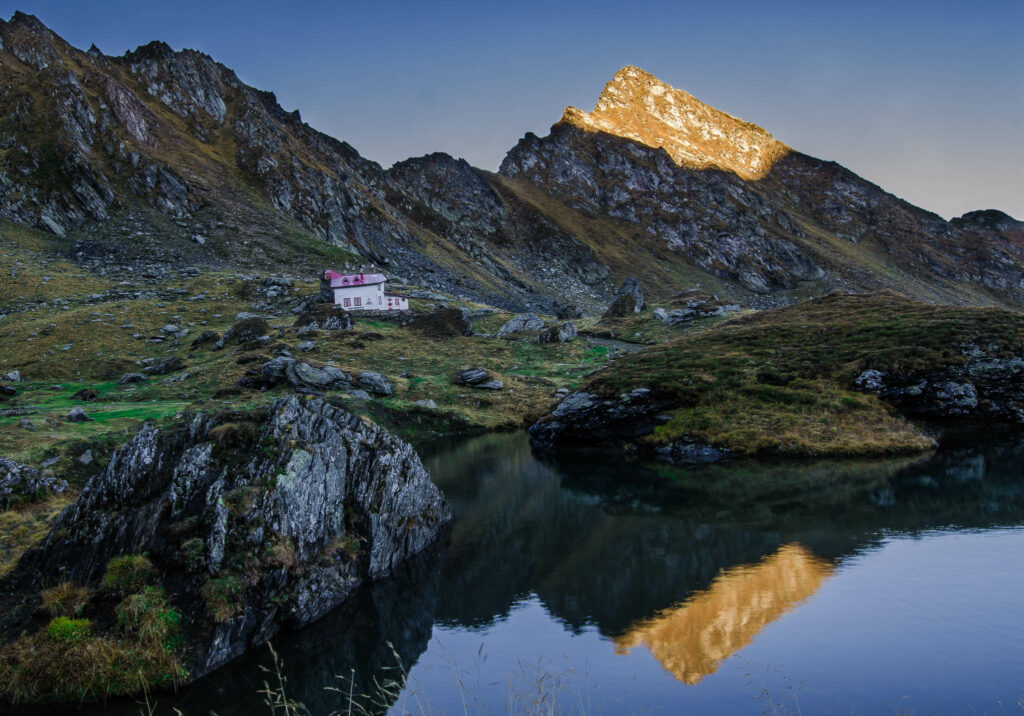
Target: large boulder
[561,333]
[325,317]
[588,421]
[246,330]
[520,323]
[308,376]
[251,521]
[634,289]
[443,323]
[375,383]
[165,366]
[478,378]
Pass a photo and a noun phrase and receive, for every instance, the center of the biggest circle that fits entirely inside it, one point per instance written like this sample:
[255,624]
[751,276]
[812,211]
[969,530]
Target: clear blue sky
[924,98]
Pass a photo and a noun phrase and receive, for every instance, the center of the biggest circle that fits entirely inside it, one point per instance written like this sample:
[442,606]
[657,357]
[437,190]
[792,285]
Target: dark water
[589,587]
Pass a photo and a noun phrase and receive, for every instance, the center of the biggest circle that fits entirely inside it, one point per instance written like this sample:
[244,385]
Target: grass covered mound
[120,639]
[782,381]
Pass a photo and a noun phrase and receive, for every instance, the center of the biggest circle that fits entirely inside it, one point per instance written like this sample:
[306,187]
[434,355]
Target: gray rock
[301,375]
[583,420]
[77,415]
[562,333]
[425,403]
[305,346]
[478,378]
[21,483]
[170,328]
[521,322]
[632,287]
[85,458]
[26,424]
[348,499]
[375,383]
[129,378]
[14,376]
[165,366]
[359,395]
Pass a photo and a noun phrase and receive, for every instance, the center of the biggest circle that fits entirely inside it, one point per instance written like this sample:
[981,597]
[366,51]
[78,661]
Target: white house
[360,292]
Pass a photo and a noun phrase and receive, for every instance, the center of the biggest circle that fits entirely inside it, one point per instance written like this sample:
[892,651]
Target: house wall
[361,297]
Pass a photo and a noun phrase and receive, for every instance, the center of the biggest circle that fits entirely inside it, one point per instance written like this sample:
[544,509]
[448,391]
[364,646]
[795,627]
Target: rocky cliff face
[253,520]
[637,105]
[724,197]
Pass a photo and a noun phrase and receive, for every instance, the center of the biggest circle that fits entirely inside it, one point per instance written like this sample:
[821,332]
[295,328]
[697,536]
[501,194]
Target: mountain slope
[160,159]
[746,209]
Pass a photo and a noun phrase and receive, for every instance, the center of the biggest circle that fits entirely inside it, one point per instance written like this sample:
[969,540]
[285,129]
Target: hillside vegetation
[782,381]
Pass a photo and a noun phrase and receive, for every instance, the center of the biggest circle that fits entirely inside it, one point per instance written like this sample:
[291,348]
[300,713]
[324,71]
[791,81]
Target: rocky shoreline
[243,524]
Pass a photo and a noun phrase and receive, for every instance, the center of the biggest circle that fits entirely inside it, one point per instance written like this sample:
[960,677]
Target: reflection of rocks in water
[610,545]
[691,640]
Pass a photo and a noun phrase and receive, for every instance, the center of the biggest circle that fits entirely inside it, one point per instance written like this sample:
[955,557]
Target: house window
[358,301]
[348,302]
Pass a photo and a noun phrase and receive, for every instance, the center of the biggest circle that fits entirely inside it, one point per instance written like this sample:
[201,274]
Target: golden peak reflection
[691,640]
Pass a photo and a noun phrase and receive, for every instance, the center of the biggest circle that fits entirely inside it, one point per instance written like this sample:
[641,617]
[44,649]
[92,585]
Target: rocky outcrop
[442,323]
[632,288]
[586,420]
[560,333]
[255,521]
[22,483]
[306,376]
[478,378]
[985,387]
[522,322]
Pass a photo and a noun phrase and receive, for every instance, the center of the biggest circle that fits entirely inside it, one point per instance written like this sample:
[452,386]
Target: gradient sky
[924,98]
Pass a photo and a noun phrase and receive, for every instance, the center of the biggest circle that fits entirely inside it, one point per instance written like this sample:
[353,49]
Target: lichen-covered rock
[292,506]
[303,375]
[985,386]
[22,483]
[520,323]
[375,383]
[478,378]
[561,333]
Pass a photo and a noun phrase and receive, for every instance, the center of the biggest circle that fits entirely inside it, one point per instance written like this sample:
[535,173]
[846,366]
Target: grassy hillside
[781,381]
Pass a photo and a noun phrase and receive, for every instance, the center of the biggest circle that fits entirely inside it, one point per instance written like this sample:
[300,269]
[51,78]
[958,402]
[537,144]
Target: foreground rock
[251,522]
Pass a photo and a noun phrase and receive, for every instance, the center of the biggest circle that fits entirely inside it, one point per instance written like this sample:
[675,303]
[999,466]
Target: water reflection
[691,640]
[689,564]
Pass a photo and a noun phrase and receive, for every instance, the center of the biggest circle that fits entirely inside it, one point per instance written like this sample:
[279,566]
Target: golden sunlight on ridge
[691,640]
[637,105]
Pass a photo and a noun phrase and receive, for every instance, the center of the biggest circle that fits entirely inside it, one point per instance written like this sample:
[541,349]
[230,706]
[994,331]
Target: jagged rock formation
[639,106]
[722,195]
[292,507]
[165,157]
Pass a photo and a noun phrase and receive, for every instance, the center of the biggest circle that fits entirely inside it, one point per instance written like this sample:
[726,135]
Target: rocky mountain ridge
[166,157]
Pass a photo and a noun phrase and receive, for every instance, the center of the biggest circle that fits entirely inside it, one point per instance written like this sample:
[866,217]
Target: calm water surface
[829,588]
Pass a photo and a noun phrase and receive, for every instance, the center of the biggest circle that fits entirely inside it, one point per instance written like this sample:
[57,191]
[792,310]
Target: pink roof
[339,280]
